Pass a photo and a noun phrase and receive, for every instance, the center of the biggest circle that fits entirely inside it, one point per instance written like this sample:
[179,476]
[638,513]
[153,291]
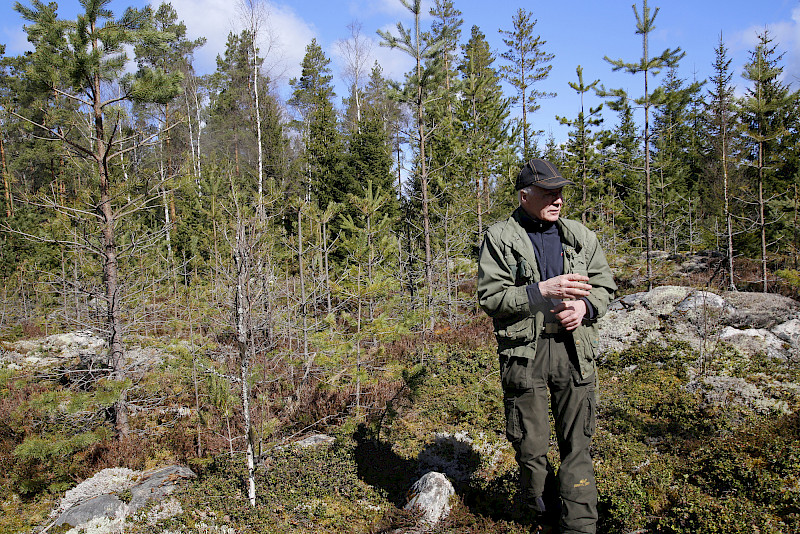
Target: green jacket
[508,263]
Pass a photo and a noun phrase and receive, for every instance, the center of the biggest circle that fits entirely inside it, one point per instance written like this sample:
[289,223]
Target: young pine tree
[648,65]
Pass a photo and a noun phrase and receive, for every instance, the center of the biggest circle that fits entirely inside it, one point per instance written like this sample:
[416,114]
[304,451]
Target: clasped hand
[570,288]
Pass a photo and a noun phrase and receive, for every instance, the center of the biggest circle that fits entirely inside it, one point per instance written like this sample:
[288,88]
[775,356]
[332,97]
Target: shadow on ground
[379,466]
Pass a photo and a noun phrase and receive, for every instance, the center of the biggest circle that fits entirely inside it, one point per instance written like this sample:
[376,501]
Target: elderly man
[544,281]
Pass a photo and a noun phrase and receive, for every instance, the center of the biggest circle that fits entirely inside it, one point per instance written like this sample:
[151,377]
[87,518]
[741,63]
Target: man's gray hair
[528,189]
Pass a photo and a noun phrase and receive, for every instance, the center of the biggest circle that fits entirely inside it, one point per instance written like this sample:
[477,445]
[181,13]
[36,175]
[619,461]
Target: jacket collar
[567,236]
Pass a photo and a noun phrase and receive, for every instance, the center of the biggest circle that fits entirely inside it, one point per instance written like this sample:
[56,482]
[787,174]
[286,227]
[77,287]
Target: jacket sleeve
[498,295]
[600,277]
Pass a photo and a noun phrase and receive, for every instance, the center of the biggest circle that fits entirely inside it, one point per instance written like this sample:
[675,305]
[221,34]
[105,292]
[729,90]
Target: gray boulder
[639,317]
[698,302]
[55,349]
[157,484]
[659,301]
[431,494]
[103,506]
[789,332]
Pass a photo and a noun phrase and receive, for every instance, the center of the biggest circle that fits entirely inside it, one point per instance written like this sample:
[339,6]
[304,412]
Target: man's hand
[565,286]
[570,313]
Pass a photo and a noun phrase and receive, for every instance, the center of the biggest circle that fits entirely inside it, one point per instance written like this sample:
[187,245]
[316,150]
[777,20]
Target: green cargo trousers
[526,384]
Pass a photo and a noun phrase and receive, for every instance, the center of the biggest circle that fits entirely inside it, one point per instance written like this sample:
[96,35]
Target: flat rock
[789,332]
[109,506]
[760,310]
[698,301]
[315,440]
[55,349]
[157,484]
[751,341]
[722,390]
[99,496]
[619,329]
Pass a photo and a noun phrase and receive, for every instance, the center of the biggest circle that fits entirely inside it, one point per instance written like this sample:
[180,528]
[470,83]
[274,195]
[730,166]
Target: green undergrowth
[298,490]
[666,459]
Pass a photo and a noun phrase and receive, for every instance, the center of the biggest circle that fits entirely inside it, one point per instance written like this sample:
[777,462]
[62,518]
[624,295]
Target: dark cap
[540,173]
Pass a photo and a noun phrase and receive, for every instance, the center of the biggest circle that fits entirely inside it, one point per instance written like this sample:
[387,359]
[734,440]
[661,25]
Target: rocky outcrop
[721,390]
[112,495]
[315,440]
[80,355]
[749,322]
[55,349]
[760,310]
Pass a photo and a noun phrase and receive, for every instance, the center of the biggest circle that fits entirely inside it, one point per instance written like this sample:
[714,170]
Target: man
[545,281]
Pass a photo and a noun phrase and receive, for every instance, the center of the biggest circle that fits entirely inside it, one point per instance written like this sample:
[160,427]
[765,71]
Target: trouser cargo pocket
[513,423]
[515,373]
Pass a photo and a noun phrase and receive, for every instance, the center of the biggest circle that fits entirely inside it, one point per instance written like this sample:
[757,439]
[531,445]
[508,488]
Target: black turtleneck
[549,253]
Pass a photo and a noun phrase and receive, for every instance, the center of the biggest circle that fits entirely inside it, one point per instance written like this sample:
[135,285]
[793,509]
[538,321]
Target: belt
[553,328]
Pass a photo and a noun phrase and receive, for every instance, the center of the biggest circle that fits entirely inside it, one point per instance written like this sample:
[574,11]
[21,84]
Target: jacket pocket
[520,330]
[586,347]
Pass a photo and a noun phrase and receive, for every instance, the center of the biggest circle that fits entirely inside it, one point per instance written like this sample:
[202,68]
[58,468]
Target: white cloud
[787,35]
[784,34]
[394,62]
[283,40]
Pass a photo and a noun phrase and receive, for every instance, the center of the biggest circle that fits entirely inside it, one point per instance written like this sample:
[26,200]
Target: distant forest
[129,197]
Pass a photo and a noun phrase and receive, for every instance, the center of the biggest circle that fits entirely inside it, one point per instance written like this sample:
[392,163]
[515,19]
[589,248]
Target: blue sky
[578,32]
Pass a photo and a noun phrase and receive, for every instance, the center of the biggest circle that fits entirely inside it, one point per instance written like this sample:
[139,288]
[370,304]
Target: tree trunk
[426,223]
[647,211]
[303,303]
[6,179]
[244,344]
[726,196]
[761,217]
[110,265]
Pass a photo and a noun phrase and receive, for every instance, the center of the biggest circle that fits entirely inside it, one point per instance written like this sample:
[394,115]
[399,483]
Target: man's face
[543,204]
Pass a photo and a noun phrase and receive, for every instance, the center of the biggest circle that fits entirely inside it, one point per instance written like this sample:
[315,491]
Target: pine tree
[313,97]
[765,112]
[230,107]
[417,91]
[5,98]
[528,64]
[165,49]
[648,65]
[673,141]
[444,145]
[369,159]
[622,163]
[482,113]
[580,148]
[446,28]
[89,52]
[720,120]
